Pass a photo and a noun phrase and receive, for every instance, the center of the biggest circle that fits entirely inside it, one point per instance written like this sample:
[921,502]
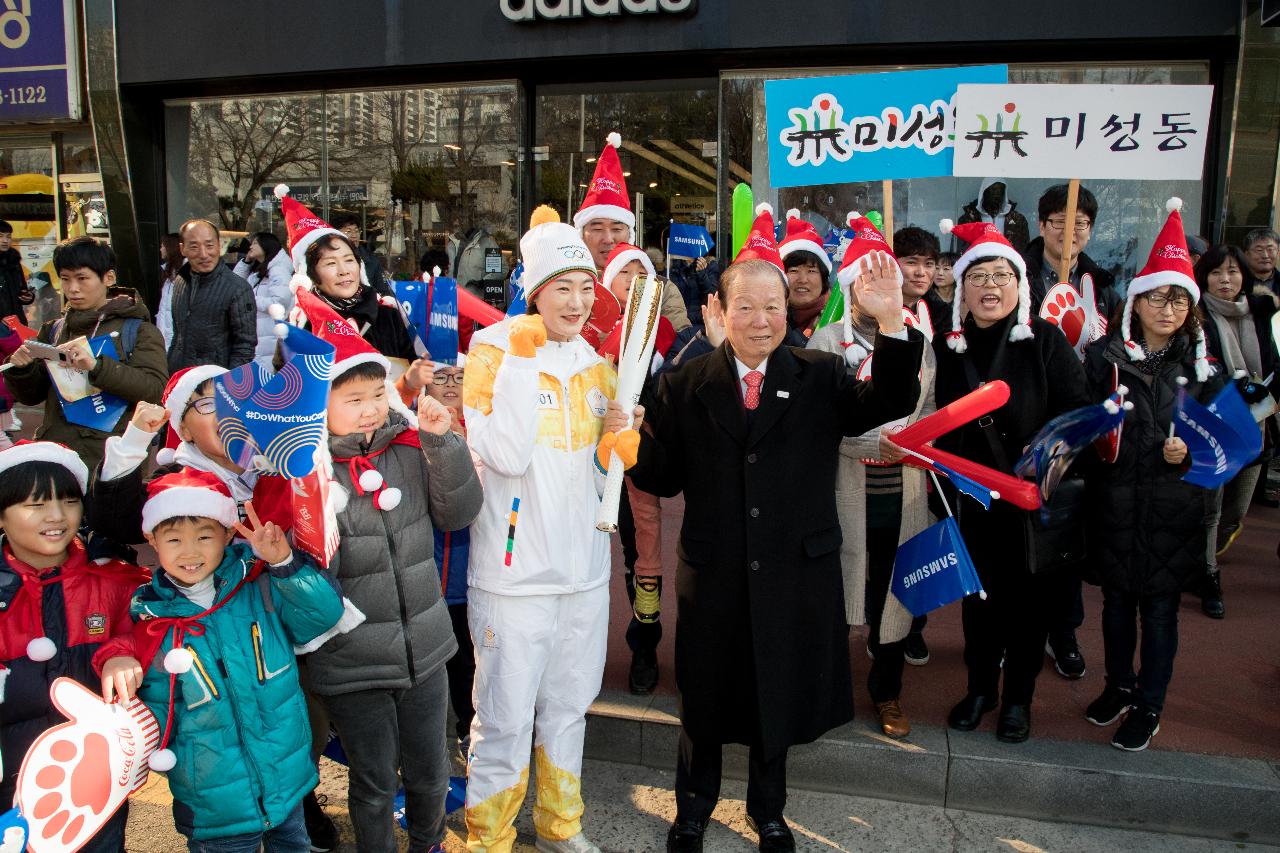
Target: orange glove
[626,444]
[525,335]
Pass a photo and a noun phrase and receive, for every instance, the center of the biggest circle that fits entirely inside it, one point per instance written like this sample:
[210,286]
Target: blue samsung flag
[688,241]
[516,304]
[965,486]
[412,296]
[278,417]
[84,404]
[1219,444]
[1058,442]
[933,569]
[442,320]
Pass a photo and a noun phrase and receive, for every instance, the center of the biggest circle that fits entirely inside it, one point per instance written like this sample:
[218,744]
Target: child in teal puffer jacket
[217,629]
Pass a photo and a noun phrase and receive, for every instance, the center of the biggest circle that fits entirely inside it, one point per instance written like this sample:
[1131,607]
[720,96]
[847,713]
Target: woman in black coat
[1148,527]
[1237,329]
[336,273]
[1045,379]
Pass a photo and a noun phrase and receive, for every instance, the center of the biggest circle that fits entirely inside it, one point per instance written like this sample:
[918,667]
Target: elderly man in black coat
[750,433]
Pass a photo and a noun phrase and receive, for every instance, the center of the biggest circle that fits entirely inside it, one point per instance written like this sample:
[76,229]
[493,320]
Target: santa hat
[1168,264]
[760,244]
[986,241]
[179,389]
[866,239]
[623,254]
[45,451]
[551,248]
[304,228]
[801,236]
[189,492]
[606,196]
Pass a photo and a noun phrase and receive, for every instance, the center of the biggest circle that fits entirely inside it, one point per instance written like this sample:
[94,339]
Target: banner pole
[886,190]
[1069,229]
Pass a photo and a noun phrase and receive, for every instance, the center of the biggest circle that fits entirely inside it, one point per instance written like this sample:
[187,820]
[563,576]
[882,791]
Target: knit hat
[606,196]
[760,245]
[45,451]
[623,254]
[551,248]
[179,389]
[801,236]
[985,241]
[1168,264]
[303,228]
[189,492]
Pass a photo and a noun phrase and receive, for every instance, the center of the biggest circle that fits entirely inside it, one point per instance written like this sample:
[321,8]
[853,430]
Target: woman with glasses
[995,337]
[1148,527]
[1237,327]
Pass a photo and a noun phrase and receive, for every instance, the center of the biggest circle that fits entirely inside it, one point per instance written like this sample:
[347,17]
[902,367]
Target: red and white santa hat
[45,451]
[623,254]
[303,228]
[986,241]
[801,236]
[606,196]
[189,492]
[866,239]
[760,244]
[177,391]
[1168,264]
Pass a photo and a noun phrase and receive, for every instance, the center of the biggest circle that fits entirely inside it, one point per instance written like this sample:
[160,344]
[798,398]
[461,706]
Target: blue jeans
[290,836]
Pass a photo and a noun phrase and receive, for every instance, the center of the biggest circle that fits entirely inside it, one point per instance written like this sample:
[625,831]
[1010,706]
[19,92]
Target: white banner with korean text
[1081,131]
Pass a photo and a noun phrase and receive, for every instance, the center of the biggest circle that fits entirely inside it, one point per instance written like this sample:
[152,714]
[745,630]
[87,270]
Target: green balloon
[744,213]
[833,311]
[876,219]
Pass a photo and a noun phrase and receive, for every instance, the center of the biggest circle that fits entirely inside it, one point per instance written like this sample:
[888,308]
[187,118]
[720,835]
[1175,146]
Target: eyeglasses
[1060,222]
[1160,300]
[446,378]
[202,405]
[985,279]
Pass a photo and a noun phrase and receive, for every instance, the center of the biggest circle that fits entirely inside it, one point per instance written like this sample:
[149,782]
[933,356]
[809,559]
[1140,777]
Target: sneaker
[915,651]
[648,599]
[1235,534]
[1211,596]
[575,844]
[1137,730]
[643,677]
[323,834]
[1065,653]
[1110,706]
[464,748]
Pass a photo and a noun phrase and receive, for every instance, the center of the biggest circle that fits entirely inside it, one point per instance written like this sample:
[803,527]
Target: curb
[1068,782]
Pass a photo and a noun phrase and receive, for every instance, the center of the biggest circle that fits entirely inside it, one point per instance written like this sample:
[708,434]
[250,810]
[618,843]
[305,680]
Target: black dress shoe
[643,677]
[1014,725]
[775,835]
[685,836]
[967,713]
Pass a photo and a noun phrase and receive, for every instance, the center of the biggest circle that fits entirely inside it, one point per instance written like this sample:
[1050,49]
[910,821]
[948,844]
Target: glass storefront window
[417,168]
[27,202]
[1129,212]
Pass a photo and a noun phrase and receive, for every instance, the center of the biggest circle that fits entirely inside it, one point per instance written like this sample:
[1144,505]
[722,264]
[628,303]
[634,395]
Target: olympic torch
[639,331]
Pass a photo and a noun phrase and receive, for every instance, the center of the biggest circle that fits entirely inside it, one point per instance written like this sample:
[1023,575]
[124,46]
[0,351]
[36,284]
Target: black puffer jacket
[1147,525]
[13,286]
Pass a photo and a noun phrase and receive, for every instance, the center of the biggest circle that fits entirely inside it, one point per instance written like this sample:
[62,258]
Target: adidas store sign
[532,10]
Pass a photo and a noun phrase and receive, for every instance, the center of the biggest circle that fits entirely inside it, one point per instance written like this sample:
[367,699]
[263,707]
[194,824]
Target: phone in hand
[48,352]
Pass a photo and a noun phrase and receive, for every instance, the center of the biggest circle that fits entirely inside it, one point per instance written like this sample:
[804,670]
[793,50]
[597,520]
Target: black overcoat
[762,648]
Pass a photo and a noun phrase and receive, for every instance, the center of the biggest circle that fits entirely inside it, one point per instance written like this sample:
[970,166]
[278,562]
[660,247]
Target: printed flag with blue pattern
[933,569]
[1220,440]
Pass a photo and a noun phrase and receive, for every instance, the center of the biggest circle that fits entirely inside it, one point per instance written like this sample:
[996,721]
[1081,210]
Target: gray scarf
[1239,337]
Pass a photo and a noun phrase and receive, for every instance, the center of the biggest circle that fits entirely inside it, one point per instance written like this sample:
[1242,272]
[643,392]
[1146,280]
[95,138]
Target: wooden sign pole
[1069,229]
[886,190]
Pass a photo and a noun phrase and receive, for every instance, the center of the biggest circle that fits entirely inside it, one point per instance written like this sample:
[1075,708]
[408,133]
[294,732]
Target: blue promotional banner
[865,127]
[432,309]
[688,241]
[279,417]
[39,75]
[1220,444]
[933,569]
[89,406]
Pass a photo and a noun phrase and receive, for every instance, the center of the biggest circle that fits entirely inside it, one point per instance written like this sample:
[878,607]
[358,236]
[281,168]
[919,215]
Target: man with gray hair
[214,315]
[1261,247]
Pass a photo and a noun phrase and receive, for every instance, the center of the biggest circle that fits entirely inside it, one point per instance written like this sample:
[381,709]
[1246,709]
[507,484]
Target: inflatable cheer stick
[78,773]
[475,308]
[743,214]
[1023,494]
[971,406]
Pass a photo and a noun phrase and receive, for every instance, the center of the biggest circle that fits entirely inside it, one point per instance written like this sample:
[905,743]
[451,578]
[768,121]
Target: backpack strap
[129,337]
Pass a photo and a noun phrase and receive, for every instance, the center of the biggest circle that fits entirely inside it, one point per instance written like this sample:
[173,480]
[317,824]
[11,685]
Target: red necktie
[753,379]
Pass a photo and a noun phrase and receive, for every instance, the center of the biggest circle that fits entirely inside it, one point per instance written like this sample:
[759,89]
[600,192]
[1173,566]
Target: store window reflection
[1130,212]
[28,199]
[411,169]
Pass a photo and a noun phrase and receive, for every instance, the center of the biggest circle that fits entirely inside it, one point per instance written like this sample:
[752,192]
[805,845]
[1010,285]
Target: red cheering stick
[475,308]
[1023,494]
[971,406]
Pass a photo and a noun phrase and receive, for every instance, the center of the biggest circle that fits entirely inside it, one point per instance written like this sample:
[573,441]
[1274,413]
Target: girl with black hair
[267,268]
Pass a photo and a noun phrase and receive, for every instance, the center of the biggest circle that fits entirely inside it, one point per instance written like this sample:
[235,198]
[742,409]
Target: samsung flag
[689,241]
[933,568]
[1220,440]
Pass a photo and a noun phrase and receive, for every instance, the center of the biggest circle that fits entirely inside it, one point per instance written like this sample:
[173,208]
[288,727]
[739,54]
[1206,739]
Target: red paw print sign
[78,773]
[1075,312]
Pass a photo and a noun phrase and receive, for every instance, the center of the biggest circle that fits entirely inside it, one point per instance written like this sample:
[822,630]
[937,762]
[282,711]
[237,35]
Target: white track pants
[539,661]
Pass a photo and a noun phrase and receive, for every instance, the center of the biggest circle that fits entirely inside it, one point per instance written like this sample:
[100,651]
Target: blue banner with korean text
[865,127]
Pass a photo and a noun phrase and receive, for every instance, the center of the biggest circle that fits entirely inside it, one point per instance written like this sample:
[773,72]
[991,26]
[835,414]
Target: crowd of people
[469,574]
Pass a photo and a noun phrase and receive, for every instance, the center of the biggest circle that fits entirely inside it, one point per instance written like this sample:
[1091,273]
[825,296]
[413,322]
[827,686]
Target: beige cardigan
[851,503]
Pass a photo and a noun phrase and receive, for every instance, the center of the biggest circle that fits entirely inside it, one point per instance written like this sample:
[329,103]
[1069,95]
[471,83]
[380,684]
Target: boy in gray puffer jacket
[384,684]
